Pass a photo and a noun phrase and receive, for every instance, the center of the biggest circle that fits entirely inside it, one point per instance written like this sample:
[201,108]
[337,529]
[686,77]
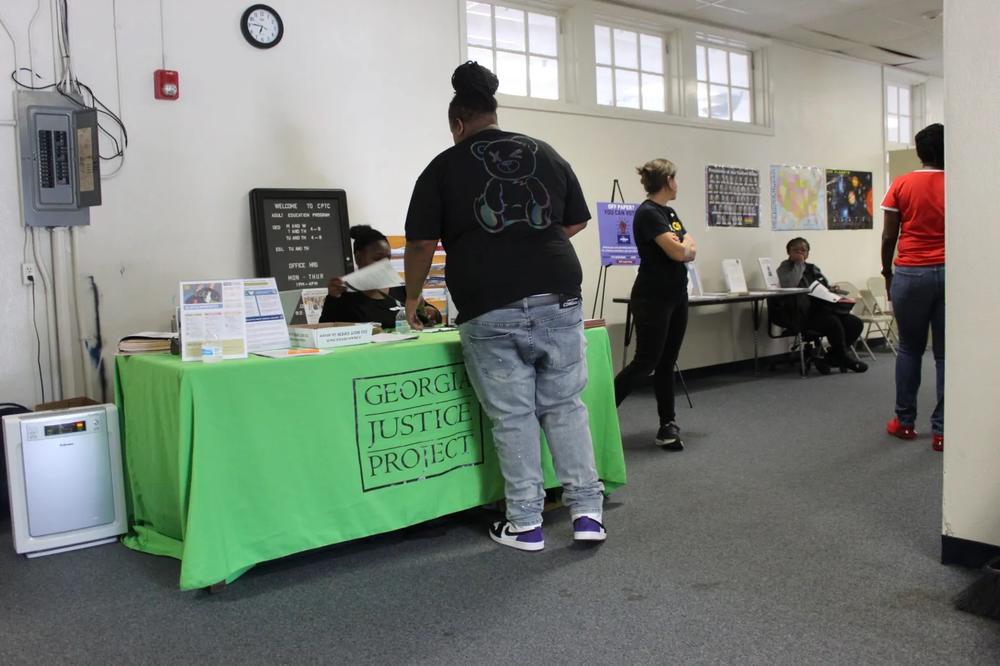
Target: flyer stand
[602,275]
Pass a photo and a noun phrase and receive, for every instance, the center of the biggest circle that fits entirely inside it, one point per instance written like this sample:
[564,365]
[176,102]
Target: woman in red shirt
[914,216]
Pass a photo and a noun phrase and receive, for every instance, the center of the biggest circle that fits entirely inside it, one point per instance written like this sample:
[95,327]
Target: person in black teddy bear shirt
[513,193]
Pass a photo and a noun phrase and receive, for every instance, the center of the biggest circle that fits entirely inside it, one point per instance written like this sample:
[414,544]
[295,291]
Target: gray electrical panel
[60,161]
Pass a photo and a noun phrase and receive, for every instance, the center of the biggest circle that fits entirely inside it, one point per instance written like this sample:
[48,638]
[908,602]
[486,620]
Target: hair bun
[360,230]
[472,78]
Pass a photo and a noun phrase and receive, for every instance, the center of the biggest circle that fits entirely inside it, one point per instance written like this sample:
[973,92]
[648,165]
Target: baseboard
[966,553]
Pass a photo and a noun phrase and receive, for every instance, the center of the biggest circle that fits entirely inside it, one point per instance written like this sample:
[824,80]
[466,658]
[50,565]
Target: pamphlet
[382,338]
[213,312]
[312,303]
[736,281]
[380,275]
[694,280]
[266,327]
[767,271]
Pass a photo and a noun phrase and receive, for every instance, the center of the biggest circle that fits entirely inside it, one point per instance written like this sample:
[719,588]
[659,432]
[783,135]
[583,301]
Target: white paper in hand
[817,290]
[380,275]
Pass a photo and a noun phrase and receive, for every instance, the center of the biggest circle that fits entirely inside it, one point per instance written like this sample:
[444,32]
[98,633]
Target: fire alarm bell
[166,84]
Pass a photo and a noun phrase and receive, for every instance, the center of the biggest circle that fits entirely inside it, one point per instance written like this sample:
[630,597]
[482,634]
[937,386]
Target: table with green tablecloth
[235,463]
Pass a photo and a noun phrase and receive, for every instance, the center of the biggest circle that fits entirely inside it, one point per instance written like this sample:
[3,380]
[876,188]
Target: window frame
[708,41]
[578,62]
[665,64]
[899,86]
[526,8]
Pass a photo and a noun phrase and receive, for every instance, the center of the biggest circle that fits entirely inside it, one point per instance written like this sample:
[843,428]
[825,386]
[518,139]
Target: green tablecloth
[240,462]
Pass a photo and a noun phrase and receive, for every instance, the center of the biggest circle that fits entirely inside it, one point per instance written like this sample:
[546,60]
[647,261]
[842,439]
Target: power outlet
[28,274]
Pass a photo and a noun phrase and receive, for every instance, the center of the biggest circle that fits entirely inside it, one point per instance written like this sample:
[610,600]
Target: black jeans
[659,332]
[840,330]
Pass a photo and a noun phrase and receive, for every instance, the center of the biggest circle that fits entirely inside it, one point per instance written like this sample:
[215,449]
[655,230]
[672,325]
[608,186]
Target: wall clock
[261,26]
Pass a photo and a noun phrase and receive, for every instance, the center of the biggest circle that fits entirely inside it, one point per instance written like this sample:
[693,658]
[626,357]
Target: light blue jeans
[918,303]
[527,362]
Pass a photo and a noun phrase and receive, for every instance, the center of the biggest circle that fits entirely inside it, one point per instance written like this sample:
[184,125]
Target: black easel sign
[300,237]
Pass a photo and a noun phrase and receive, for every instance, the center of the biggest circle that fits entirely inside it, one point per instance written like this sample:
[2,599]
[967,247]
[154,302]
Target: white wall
[18,372]
[972,119]
[355,97]
[934,101]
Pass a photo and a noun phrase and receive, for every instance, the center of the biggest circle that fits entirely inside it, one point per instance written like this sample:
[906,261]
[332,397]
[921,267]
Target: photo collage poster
[797,198]
[732,196]
[848,199]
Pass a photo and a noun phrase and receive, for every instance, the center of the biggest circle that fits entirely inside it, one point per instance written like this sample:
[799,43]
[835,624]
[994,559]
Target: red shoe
[938,443]
[897,429]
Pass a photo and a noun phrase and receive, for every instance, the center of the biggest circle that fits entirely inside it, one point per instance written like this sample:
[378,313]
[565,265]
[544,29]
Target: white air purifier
[64,473]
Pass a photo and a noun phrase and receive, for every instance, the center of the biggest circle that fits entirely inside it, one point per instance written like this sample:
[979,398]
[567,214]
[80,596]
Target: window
[724,83]
[898,114]
[629,69]
[520,47]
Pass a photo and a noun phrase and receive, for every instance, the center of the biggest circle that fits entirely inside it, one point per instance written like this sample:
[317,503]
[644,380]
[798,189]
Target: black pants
[840,330]
[659,332]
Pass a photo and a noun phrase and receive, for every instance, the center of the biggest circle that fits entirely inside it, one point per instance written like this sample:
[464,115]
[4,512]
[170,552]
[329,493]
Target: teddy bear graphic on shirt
[512,194]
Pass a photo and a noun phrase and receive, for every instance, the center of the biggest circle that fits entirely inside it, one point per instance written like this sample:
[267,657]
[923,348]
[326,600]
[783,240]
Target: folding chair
[783,322]
[866,309]
[876,285]
[872,315]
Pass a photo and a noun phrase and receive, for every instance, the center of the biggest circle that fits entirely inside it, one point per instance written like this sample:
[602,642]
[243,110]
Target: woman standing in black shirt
[377,305]
[659,296]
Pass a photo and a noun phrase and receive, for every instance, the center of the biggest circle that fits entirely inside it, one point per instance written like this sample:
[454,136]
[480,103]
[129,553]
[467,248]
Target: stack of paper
[145,342]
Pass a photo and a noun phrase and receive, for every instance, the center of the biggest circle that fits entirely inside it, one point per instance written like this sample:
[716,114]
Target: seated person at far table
[837,324]
[376,305]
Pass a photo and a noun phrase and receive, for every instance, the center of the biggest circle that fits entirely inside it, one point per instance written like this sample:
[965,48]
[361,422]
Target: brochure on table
[213,312]
[312,303]
[767,271]
[265,319]
[694,280]
[732,270]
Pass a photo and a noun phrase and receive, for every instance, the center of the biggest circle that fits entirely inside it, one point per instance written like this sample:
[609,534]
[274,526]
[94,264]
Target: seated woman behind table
[375,305]
[840,328]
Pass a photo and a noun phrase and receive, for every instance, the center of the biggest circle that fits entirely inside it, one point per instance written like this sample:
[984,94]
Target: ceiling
[900,33]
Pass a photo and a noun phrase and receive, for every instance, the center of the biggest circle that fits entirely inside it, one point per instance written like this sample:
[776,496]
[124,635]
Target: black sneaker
[669,437]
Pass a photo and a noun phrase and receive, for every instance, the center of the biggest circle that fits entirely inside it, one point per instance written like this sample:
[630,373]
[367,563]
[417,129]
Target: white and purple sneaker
[503,533]
[586,528]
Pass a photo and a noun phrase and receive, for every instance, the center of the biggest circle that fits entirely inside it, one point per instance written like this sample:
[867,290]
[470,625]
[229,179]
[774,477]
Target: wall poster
[732,196]
[797,198]
[848,199]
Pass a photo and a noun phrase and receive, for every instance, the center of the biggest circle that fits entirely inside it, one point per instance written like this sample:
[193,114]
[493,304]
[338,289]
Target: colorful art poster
[732,196]
[434,288]
[797,198]
[848,199]
[614,224]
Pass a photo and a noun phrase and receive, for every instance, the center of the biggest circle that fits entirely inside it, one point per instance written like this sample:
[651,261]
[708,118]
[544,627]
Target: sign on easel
[614,224]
